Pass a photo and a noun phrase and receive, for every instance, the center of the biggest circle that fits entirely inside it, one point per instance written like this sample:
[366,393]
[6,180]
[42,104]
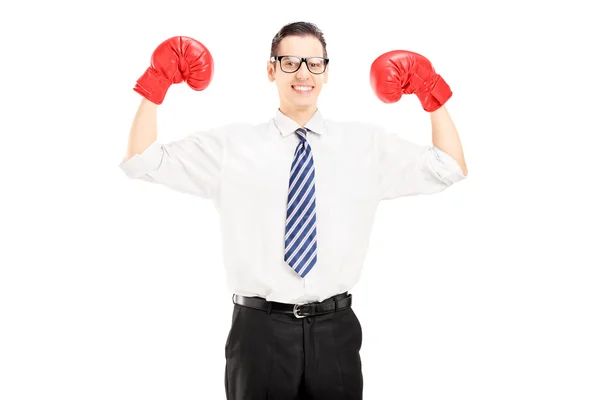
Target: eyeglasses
[291,64]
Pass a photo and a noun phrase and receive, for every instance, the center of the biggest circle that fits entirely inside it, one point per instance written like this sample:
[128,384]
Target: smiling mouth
[303,89]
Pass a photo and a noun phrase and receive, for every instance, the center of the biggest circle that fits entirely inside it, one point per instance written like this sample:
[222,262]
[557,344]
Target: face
[291,85]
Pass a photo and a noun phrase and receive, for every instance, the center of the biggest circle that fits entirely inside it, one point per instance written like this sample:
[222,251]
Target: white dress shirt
[245,169]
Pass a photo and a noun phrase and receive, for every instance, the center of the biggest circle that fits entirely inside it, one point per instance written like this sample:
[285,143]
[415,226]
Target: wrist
[434,93]
[152,85]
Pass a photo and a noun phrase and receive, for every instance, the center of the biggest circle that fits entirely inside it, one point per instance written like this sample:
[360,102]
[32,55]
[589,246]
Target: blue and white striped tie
[301,223]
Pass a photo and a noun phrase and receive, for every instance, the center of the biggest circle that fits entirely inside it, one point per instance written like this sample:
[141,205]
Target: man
[297,197]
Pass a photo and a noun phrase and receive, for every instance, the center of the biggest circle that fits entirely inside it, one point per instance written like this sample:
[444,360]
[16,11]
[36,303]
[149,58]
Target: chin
[306,104]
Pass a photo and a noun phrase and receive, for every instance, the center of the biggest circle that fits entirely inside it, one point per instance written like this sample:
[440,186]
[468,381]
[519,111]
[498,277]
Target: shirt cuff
[446,167]
[141,164]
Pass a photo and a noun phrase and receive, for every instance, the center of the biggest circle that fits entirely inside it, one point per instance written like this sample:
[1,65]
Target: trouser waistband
[332,304]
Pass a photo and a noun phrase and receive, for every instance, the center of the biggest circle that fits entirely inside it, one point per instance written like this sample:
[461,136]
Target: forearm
[445,136]
[143,129]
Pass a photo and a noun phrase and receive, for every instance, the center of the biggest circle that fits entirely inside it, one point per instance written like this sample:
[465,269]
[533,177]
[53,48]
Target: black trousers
[273,356]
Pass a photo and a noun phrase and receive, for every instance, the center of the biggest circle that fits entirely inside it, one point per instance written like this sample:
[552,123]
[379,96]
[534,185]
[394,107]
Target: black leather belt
[332,304]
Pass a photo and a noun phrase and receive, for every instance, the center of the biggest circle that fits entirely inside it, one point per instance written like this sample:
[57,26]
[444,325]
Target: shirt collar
[287,126]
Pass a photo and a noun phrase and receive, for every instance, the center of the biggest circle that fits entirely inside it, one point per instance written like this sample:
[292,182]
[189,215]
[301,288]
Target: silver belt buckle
[296,311]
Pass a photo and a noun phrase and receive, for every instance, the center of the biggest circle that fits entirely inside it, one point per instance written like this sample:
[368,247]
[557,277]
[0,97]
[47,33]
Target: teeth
[302,88]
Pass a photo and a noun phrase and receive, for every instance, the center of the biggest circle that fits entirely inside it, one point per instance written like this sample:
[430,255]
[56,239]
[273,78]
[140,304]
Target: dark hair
[298,29]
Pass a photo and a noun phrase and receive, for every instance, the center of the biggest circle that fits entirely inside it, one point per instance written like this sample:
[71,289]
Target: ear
[271,71]
[326,74]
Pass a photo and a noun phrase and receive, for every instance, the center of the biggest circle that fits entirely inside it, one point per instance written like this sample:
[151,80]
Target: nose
[303,72]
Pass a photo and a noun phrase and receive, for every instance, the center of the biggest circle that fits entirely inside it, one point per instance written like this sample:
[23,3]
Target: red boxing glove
[401,72]
[177,59]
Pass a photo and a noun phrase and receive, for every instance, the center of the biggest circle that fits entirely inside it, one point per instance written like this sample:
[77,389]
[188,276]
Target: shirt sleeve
[407,168]
[190,165]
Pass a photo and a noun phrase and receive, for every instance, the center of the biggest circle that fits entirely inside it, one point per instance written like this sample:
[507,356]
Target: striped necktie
[301,223]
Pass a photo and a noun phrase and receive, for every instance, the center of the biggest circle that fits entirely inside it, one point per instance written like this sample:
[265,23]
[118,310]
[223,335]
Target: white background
[112,288]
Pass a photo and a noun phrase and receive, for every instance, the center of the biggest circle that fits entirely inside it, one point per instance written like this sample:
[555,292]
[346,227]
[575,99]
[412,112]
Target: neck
[300,115]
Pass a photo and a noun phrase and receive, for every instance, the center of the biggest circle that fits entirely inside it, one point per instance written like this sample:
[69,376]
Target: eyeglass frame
[302,60]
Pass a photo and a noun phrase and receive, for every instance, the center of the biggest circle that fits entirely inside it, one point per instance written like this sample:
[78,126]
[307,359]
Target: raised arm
[191,164]
[406,167]
[175,60]
[143,129]
[445,137]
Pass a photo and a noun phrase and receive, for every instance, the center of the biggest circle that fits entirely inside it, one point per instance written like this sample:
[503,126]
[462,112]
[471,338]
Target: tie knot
[302,133]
